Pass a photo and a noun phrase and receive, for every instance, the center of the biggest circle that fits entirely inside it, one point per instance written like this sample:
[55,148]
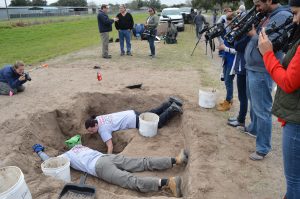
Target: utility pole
[6,10]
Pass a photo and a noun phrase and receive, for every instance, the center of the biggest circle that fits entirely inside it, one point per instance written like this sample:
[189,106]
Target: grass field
[58,36]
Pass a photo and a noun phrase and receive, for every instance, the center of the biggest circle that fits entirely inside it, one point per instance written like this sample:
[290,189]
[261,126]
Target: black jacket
[125,22]
[104,23]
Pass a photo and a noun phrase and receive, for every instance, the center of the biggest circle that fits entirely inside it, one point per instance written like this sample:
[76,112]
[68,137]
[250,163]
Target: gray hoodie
[254,60]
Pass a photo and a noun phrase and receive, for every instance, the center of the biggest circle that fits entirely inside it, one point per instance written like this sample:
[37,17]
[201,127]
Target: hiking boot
[235,123]
[182,157]
[129,54]
[122,54]
[175,108]
[257,156]
[174,184]
[178,101]
[225,106]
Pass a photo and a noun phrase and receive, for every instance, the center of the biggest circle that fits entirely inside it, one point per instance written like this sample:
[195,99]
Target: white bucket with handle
[207,99]
[12,184]
[57,167]
[148,124]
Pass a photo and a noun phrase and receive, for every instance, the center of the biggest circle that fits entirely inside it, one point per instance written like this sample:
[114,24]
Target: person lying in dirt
[105,125]
[116,169]
[12,79]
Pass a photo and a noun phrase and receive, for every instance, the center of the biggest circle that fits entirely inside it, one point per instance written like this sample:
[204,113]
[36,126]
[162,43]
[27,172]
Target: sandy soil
[59,99]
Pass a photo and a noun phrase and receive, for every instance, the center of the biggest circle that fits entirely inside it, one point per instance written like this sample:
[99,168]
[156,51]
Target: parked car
[188,14]
[174,15]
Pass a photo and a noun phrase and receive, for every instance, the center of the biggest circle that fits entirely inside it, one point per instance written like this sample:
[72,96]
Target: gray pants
[5,88]
[105,41]
[115,169]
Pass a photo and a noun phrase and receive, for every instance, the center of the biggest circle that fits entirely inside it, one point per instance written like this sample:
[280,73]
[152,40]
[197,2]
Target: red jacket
[287,79]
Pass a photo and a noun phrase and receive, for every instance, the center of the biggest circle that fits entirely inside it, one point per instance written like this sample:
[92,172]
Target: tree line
[79,3]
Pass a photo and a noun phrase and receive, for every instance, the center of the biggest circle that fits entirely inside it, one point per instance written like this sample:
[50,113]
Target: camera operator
[287,100]
[258,79]
[151,26]
[12,78]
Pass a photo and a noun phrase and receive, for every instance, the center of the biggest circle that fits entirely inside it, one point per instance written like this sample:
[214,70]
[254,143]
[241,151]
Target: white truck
[174,15]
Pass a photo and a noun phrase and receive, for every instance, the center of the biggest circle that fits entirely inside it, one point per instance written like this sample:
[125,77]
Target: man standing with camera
[12,79]
[259,82]
[105,26]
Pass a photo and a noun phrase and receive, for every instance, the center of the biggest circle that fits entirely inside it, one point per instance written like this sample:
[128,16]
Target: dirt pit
[52,128]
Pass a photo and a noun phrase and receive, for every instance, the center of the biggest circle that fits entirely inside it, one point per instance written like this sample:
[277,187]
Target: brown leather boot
[225,106]
[174,184]
[182,157]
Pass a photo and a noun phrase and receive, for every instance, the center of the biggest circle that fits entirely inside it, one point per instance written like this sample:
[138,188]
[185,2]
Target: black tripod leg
[195,47]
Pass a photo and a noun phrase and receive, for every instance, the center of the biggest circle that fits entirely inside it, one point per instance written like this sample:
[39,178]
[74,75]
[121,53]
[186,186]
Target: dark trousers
[228,80]
[151,39]
[242,94]
[163,111]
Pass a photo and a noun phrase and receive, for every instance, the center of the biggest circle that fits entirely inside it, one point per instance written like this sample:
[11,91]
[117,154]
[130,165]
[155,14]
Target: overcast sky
[168,2]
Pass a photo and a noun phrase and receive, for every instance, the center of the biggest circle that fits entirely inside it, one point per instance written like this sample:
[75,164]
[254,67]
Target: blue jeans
[291,159]
[151,39]
[242,94]
[125,34]
[251,127]
[260,89]
[228,80]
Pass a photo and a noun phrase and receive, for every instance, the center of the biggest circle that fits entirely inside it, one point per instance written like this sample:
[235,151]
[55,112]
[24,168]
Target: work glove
[37,148]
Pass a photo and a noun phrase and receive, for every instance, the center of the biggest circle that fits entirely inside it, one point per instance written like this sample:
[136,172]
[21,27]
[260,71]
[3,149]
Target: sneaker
[174,107]
[231,119]
[235,123]
[107,57]
[182,157]
[257,156]
[129,54]
[244,129]
[122,54]
[177,100]
[174,184]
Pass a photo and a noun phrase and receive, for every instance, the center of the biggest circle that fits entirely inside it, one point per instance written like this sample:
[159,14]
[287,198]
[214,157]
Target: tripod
[211,44]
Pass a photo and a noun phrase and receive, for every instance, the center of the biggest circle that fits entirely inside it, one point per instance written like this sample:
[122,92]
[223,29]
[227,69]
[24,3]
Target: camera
[215,31]
[282,34]
[27,77]
[243,25]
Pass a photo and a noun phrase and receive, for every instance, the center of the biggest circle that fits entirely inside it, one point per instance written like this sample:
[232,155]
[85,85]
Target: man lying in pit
[105,125]
[116,169]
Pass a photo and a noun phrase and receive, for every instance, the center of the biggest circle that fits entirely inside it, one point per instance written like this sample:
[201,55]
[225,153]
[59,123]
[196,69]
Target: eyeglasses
[150,10]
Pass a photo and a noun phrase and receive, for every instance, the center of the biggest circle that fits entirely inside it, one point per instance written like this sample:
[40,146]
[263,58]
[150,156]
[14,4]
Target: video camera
[244,25]
[216,30]
[283,34]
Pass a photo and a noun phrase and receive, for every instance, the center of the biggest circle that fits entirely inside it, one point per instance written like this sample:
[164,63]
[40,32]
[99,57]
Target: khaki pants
[5,89]
[105,41]
[115,169]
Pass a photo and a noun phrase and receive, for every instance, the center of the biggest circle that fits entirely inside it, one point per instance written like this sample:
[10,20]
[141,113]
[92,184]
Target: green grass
[61,35]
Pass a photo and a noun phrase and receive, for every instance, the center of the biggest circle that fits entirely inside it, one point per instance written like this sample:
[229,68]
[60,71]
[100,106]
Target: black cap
[295,3]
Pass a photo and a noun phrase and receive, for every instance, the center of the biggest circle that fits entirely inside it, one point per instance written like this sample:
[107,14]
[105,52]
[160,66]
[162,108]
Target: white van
[174,15]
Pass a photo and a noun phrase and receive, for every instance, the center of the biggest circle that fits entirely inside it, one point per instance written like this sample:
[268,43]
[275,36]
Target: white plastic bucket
[57,167]
[207,99]
[12,184]
[148,124]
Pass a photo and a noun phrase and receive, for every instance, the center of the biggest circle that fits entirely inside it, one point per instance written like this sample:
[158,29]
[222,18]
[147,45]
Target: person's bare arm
[110,146]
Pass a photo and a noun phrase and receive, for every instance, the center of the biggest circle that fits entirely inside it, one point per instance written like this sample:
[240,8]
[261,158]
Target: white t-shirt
[83,158]
[115,122]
